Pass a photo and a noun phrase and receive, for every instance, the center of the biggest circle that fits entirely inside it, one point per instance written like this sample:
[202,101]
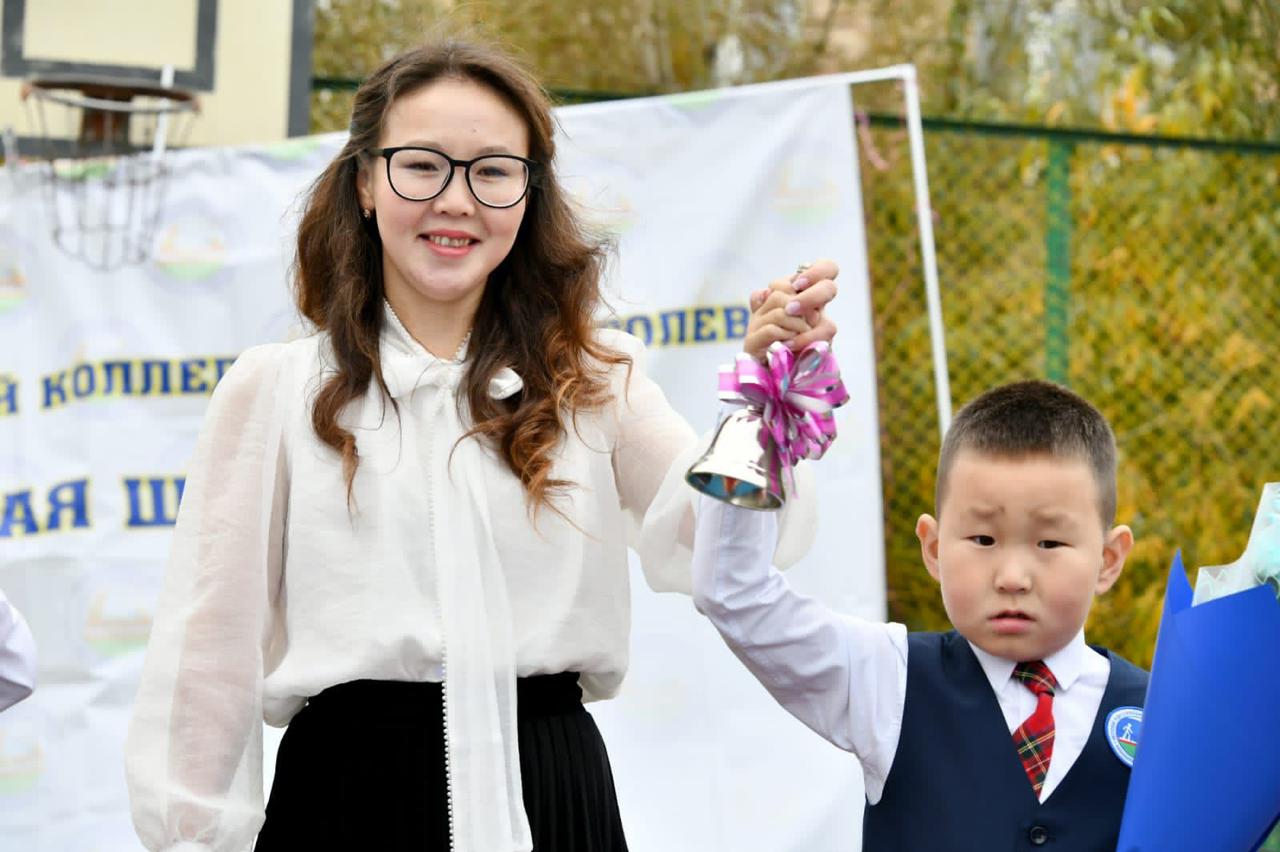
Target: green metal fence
[1141,272]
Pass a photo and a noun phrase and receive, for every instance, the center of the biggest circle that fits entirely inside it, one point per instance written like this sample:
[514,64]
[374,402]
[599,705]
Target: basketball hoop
[105,171]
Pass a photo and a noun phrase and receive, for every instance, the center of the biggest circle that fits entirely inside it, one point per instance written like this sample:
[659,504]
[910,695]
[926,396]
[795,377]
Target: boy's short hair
[1034,418]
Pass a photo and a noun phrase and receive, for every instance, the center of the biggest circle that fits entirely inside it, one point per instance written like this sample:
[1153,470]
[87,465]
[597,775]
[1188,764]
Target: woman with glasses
[405,536]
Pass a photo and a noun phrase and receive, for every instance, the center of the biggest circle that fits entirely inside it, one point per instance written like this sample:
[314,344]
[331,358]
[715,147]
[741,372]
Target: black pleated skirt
[362,767]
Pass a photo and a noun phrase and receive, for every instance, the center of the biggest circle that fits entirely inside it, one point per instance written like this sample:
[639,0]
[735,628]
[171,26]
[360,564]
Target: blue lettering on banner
[8,396]
[221,365]
[673,327]
[154,367]
[151,377]
[736,318]
[153,501]
[68,509]
[704,330]
[192,382]
[642,327]
[124,370]
[51,387]
[687,326]
[69,501]
[19,518]
[82,381]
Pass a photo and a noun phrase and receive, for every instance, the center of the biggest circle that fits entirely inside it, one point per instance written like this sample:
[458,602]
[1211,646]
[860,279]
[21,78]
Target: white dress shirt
[278,589]
[17,655]
[846,677]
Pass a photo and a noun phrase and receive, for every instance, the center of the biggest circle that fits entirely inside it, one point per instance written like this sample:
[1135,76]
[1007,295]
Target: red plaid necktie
[1034,737]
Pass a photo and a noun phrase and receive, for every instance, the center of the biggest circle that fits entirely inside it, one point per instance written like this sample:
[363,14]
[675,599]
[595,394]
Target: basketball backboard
[248,61]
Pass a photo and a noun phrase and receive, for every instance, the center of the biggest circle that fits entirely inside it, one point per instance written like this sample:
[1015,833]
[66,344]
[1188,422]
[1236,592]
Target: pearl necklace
[457,355]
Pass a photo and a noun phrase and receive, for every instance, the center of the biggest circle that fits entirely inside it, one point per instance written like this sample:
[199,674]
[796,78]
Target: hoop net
[103,150]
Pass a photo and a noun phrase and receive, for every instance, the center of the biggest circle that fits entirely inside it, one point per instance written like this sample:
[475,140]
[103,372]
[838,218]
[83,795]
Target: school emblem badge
[1124,724]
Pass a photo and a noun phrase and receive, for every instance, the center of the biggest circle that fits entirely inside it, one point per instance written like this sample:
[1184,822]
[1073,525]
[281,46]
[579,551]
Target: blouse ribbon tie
[479,659]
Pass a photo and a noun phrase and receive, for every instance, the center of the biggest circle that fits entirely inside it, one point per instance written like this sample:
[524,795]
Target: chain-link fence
[1140,272]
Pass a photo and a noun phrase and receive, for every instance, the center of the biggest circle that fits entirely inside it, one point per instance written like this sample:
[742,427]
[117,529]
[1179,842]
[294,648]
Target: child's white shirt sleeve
[17,655]
[844,677]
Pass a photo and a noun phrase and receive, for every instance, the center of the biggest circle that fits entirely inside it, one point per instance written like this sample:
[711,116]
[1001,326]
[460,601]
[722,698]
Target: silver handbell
[736,469]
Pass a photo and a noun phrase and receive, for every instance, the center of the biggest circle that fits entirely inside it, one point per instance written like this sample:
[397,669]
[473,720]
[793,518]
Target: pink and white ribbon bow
[796,396]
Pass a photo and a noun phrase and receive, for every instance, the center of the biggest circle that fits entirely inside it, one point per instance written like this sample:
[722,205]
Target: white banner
[104,378]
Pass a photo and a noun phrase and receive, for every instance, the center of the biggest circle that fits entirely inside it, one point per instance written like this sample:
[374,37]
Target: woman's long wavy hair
[537,312]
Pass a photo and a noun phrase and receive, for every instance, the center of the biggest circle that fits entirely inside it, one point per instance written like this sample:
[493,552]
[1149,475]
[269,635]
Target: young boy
[992,736]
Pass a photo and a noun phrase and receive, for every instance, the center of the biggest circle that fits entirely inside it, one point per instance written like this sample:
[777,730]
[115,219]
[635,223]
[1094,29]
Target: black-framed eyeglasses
[420,174]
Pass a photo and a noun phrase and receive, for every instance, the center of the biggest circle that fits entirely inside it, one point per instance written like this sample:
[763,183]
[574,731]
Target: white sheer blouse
[276,589]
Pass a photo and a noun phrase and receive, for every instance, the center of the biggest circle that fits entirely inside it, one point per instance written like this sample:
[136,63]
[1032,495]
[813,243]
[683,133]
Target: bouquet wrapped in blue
[1206,775]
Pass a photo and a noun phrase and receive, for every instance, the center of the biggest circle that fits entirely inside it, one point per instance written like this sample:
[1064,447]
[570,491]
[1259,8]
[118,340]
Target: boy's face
[1020,551]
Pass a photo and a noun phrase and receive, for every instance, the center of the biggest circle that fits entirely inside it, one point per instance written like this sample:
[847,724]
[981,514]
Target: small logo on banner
[21,759]
[1124,724]
[293,149]
[694,101]
[606,206]
[191,249]
[803,194]
[13,281]
[117,624]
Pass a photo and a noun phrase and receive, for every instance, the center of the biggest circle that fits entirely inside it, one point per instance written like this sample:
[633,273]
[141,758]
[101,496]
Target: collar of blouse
[407,365]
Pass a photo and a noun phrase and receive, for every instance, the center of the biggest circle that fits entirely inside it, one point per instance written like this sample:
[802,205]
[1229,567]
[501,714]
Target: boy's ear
[1115,549]
[927,532]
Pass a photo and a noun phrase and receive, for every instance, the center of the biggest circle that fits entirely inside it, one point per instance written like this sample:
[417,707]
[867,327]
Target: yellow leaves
[1203,406]
[1186,329]
[1144,124]
[1238,353]
[1126,618]
[1151,549]
[1126,110]
[1173,21]
[1254,403]
[1209,101]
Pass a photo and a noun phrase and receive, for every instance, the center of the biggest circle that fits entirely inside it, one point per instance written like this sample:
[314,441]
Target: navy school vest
[957,785]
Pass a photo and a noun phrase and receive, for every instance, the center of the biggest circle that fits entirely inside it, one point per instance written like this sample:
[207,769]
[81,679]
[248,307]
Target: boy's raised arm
[844,677]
